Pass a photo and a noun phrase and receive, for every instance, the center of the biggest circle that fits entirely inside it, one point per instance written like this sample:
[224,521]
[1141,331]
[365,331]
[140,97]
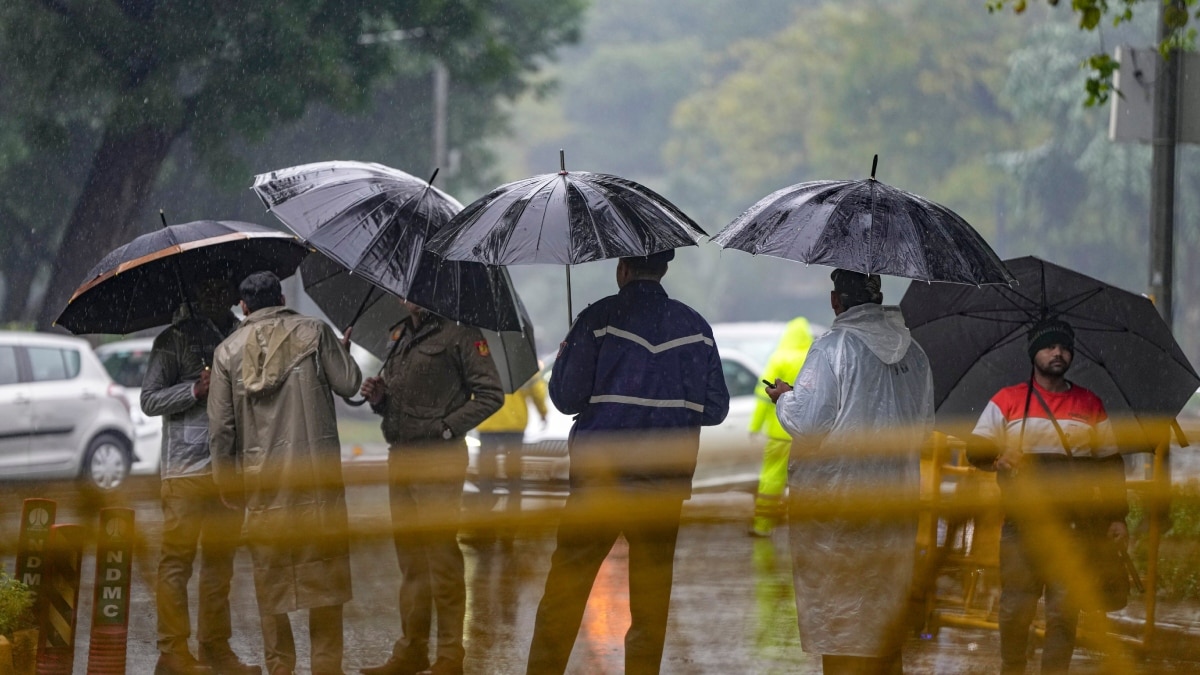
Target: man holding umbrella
[861,409]
[176,387]
[1053,437]
[642,374]
[439,382]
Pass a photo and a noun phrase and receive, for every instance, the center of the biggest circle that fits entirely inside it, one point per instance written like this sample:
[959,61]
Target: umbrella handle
[570,310]
[351,402]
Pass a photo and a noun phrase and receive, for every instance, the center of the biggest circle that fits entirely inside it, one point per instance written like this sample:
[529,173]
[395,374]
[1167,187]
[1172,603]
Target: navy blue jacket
[642,374]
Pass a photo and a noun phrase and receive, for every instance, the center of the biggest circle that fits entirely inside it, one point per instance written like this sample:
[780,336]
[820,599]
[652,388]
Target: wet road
[732,606]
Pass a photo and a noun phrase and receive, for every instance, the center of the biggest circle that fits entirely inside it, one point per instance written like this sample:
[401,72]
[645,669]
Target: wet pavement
[732,606]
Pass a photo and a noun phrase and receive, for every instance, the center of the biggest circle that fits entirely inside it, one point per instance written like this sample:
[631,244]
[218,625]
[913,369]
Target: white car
[61,415]
[126,362]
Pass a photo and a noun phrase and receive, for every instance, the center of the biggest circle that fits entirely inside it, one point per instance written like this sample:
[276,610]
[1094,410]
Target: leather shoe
[444,667]
[393,666]
[170,663]
[225,662]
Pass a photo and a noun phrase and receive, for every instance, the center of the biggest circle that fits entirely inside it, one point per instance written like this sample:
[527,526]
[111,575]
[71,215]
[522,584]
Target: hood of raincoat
[880,327]
[273,348]
[784,363]
[797,336]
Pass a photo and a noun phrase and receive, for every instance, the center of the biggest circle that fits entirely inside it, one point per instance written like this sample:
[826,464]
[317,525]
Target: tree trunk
[18,279]
[123,172]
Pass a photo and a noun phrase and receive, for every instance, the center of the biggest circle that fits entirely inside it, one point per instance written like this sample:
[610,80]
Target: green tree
[144,74]
[1083,200]
[1093,15]
[818,99]
[611,112]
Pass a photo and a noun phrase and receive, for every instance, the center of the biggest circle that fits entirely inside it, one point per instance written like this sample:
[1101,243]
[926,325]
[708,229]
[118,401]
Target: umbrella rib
[379,233]
[1090,355]
[541,226]
[591,221]
[1000,343]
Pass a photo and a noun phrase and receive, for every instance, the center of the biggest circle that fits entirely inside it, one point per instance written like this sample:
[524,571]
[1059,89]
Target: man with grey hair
[860,411]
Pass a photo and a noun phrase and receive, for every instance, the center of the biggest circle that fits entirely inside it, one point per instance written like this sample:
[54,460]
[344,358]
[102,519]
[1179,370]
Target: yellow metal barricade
[959,536]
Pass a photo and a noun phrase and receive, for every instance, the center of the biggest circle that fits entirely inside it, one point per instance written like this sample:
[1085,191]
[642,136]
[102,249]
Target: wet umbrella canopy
[565,218]
[140,285]
[374,220]
[865,226]
[350,299]
[976,339]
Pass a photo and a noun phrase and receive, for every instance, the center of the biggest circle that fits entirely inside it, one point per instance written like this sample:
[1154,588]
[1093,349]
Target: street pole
[1162,174]
[441,92]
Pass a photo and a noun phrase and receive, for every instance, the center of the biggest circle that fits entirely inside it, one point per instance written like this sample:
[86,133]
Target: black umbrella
[140,284]
[565,218]
[374,220]
[975,338]
[349,299]
[865,226]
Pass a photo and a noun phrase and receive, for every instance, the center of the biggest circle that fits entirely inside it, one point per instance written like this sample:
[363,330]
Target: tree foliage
[1178,17]
[139,75]
[816,100]
[1082,199]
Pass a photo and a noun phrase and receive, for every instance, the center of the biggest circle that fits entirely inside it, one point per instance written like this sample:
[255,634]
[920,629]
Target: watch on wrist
[447,434]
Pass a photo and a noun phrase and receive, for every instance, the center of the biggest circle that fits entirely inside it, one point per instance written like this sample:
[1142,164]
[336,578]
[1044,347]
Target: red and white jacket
[1079,412]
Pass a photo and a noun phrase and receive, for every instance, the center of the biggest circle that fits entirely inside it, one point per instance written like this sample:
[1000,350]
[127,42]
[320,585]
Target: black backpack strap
[1062,437]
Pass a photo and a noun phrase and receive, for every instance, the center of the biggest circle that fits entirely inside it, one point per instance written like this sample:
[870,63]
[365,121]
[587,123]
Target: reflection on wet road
[732,605]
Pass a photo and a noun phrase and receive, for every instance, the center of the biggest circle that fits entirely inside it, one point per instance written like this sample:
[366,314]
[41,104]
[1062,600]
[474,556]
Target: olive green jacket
[274,442]
[440,374]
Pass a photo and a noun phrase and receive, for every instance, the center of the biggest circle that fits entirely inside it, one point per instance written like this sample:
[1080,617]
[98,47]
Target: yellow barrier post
[59,600]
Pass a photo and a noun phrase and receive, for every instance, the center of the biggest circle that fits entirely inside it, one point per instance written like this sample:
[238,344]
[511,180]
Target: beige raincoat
[274,442]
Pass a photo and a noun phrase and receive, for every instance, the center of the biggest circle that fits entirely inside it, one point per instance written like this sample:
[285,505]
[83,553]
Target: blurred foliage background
[113,109]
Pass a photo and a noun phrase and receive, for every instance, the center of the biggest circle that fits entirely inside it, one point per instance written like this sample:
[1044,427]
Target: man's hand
[200,386]
[1009,460]
[778,389]
[1118,531]
[373,390]
[346,337]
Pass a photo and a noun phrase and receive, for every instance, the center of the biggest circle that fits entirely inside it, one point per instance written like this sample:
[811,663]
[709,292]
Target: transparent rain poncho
[861,409]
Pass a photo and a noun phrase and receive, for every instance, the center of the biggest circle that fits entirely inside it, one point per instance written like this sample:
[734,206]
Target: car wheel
[106,464]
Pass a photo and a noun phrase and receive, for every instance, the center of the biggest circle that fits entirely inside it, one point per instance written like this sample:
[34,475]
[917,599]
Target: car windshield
[127,368]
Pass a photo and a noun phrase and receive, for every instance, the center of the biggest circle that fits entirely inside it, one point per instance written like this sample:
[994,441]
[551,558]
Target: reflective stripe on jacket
[638,362]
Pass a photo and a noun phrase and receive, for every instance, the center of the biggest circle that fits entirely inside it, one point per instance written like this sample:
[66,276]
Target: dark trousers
[325,641]
[1023,580]
[194,518]
[493,446]
[833,664]
[426,495]
[586,534]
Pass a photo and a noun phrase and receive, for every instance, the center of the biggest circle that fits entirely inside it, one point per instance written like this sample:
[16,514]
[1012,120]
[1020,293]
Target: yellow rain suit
[785,363]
